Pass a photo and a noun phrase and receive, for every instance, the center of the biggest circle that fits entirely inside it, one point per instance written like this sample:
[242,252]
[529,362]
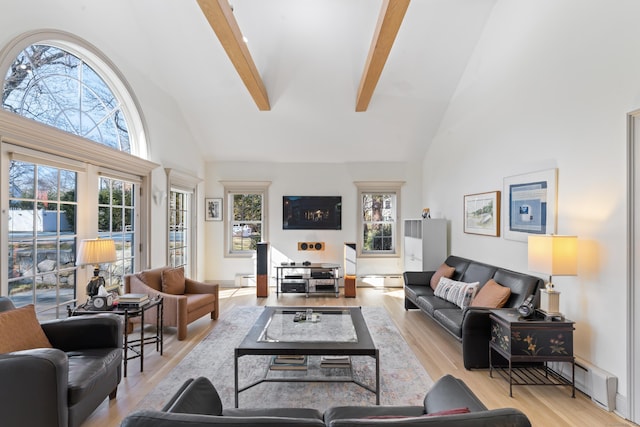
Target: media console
[307,278]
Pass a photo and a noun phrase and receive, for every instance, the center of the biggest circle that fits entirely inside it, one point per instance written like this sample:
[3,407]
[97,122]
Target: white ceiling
[310,54]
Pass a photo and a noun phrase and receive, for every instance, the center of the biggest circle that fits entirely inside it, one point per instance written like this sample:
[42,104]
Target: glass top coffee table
[330,332]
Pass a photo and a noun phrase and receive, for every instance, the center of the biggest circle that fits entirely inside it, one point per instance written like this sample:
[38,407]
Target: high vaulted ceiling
[309,57]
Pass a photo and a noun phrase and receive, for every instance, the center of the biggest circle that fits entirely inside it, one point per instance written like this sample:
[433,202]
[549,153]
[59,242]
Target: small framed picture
[213,209]
[482,213]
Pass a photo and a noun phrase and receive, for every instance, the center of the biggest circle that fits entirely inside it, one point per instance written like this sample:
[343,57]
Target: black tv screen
[311,212]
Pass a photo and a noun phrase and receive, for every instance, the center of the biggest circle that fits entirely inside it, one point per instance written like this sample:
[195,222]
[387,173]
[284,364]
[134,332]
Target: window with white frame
[116,220]
[246,216]
[42,235]
[379,210]
[179,228]
[182,233]
[65,83]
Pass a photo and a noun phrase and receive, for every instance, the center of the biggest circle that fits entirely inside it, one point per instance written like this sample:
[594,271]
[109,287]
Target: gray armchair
[63,385]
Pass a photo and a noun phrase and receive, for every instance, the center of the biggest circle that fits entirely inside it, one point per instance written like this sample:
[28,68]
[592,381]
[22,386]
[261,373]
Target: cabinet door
[412,254]
[434,243]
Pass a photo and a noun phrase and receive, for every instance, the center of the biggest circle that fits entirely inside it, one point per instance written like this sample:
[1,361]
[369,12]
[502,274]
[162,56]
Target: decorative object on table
[213,209]
[556,256]
[530,204]
[482,213]
[95,252]
[426,213]
[103,300]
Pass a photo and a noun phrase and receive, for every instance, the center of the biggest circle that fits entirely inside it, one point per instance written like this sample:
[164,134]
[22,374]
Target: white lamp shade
[96,251]
[553,255]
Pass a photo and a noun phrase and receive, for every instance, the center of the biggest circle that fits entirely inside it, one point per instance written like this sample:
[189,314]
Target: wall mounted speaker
[311,246]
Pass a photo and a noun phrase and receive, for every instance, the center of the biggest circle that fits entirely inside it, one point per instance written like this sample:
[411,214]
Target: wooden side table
[531,344]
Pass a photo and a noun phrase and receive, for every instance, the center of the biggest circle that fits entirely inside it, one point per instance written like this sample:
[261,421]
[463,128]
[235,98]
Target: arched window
[59,80]
[52,86]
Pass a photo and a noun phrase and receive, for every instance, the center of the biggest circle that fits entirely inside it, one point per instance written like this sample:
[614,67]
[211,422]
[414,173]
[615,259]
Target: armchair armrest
[195,287]
[476,334]
[103,330]
[34,387]
[420,278]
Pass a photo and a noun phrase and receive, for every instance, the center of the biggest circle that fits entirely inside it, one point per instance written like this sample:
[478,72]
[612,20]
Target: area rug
[403,381]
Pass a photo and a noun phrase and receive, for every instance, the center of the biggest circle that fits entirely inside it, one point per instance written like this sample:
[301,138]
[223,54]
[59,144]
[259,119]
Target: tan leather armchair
[184,300]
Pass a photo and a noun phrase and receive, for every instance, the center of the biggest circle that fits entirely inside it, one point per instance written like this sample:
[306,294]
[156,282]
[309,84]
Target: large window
[42,235]
[179,229]
[247,210]
[378,219]
[55,193]
[55,87]
[116,220]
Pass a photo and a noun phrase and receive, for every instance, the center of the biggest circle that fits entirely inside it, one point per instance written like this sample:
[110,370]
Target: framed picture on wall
[530,204]
[213,209]
[482,213]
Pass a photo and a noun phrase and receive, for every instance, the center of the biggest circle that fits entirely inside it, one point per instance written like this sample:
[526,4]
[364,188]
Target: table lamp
[556,256]
[96,251]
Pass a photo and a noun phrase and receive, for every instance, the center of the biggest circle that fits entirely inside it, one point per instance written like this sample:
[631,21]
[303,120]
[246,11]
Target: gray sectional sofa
[470,325]
[197,404]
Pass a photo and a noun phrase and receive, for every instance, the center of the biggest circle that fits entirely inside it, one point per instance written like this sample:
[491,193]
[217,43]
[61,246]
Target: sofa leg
[182,332]
[113,394]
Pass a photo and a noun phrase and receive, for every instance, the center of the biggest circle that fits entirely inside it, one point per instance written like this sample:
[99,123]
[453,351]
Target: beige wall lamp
[555,256]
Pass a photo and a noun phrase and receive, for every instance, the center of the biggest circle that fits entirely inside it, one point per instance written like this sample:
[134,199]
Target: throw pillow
[173,281]
[443,271]
[20,330]
[459,293]
[491,295]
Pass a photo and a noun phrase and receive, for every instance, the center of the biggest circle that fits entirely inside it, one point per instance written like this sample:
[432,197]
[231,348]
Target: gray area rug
[403,381]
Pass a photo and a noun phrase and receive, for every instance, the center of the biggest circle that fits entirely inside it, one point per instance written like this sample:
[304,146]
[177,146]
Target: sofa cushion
[443,271]
[433,414]
[21,330]
[451,319]
[152,278]
[88,371]
[432,303]
[459,293]
[173,281]
[492,295]
[360,412]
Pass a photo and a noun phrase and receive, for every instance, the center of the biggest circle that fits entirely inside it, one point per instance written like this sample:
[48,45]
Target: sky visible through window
[55,87]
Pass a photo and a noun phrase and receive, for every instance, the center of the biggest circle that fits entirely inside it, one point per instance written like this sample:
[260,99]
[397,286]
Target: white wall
[549,86]
[334,179]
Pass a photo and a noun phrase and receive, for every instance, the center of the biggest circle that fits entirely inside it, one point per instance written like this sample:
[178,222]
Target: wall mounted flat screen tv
[311,212]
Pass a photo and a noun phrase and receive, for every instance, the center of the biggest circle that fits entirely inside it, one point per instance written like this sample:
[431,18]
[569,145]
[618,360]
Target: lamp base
[94,285]
[550,304]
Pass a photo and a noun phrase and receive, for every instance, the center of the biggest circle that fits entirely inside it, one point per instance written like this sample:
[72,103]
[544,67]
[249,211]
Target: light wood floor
[438,352]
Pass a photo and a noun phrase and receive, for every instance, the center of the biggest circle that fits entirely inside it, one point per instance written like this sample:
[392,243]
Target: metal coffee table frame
[364,346]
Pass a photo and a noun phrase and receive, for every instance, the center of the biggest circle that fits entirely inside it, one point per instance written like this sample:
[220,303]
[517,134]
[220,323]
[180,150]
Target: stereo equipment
[262,270]
[311,246]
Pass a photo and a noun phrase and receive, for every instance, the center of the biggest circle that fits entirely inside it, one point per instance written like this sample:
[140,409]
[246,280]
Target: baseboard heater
[596,383]
[380,280]
[245,279]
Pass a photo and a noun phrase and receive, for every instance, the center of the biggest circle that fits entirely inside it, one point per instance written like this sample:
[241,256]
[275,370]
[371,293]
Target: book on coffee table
[288,363]
[335,362]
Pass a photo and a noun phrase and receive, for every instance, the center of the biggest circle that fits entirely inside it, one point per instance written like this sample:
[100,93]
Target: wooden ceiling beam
[389,21]
[224,24]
